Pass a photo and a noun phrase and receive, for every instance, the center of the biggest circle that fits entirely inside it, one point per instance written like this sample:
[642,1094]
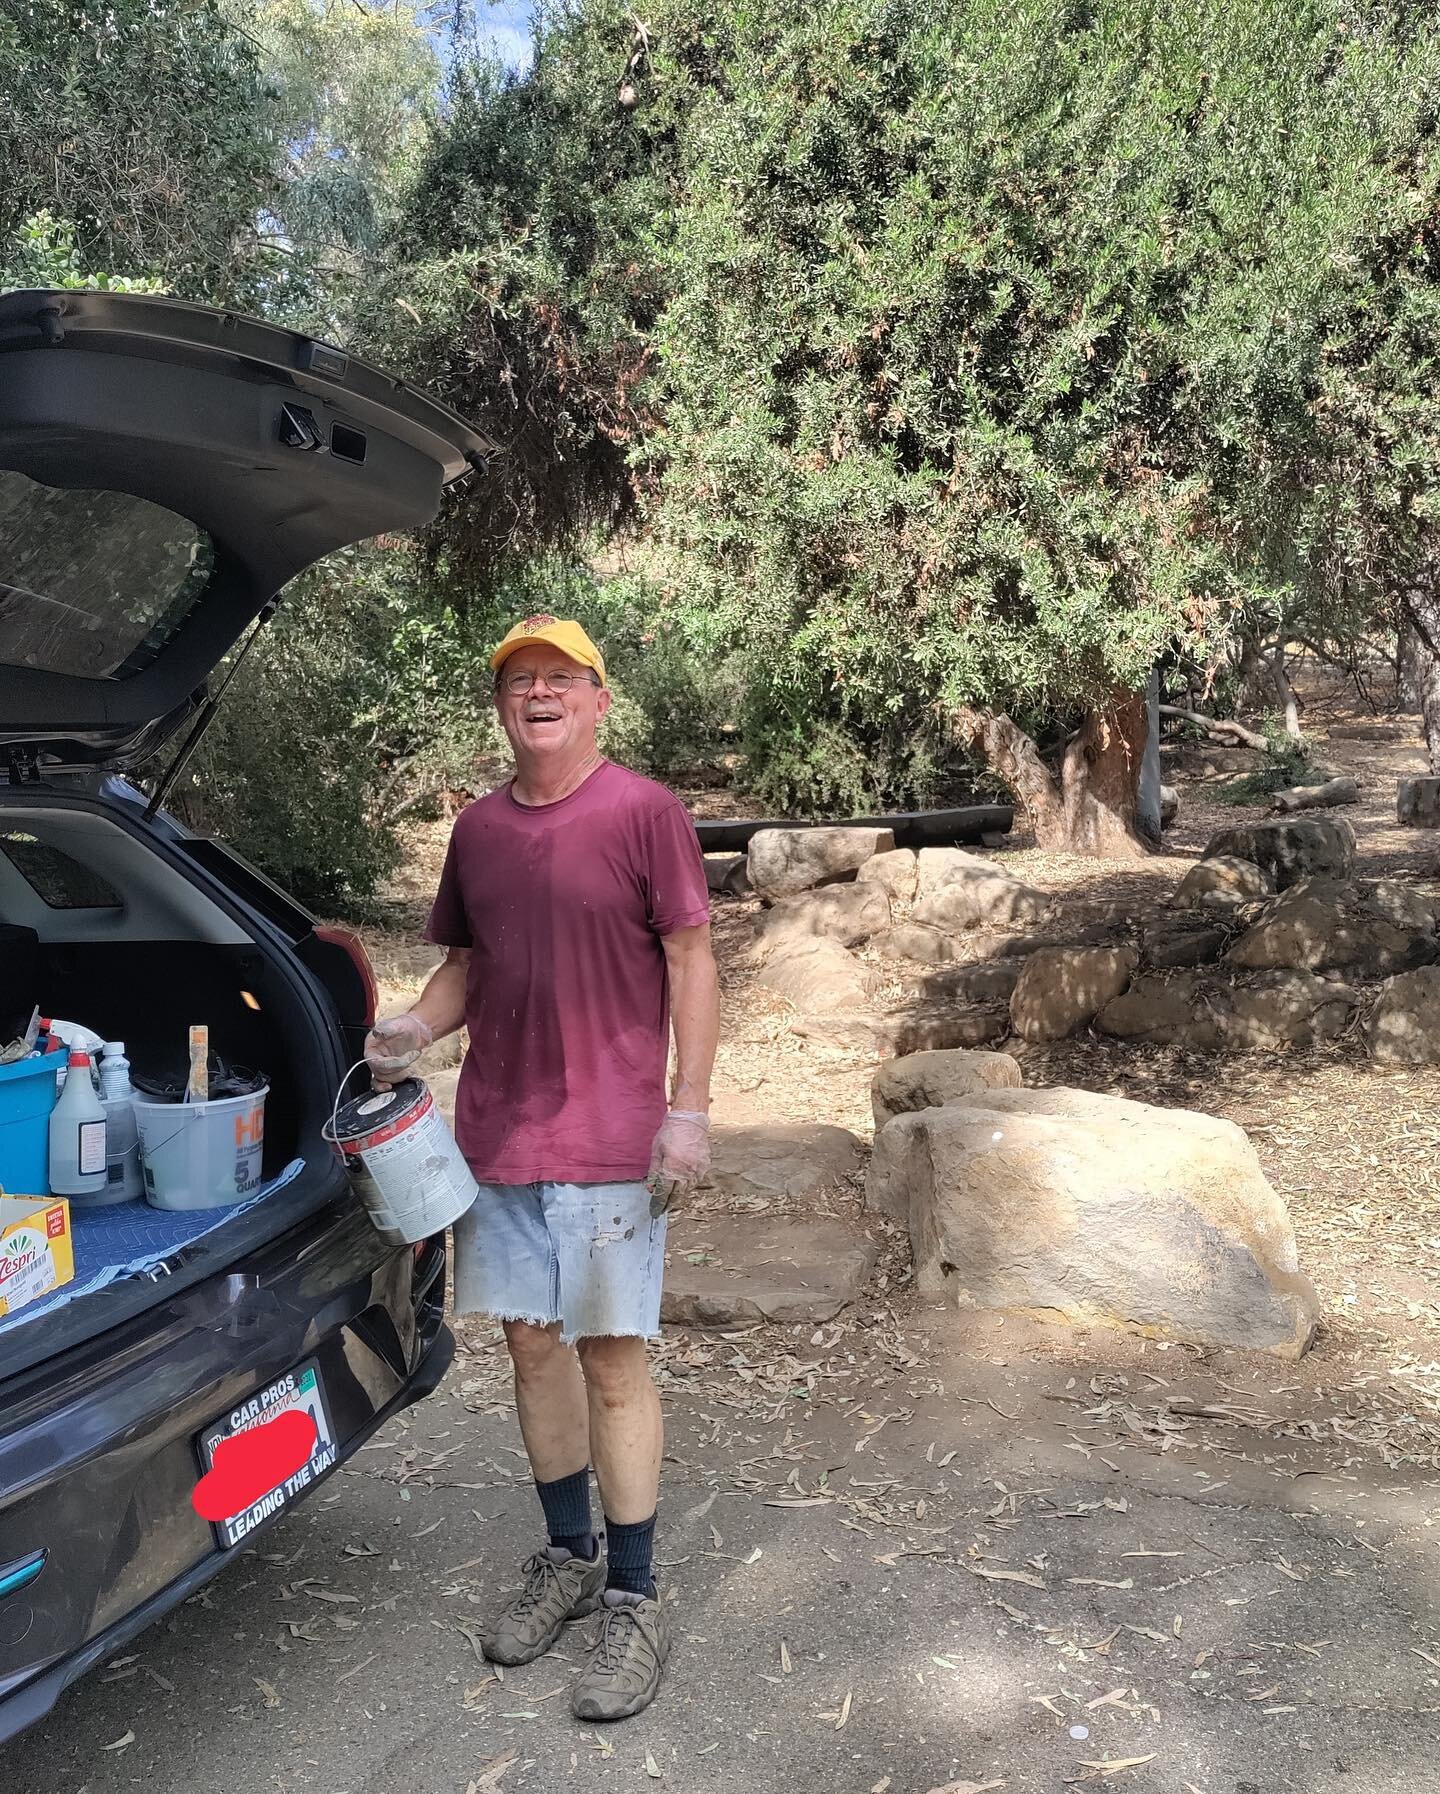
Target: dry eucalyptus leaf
[969,1787]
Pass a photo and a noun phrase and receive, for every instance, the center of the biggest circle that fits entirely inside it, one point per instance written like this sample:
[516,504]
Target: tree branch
[1218,728]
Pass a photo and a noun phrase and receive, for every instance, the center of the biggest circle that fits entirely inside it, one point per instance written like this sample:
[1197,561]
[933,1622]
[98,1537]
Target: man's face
[542,722]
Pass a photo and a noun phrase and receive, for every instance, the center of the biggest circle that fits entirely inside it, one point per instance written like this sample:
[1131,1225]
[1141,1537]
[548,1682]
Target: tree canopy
[932,376]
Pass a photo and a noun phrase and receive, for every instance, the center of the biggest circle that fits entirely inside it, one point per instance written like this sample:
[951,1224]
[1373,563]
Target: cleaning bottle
[77,1138]
[123,1181]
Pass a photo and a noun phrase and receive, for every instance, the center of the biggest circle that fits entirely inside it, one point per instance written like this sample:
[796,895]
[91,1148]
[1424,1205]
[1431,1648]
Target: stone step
[727,1269]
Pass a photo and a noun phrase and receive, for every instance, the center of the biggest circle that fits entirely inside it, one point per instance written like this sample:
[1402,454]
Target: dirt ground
[908,1550]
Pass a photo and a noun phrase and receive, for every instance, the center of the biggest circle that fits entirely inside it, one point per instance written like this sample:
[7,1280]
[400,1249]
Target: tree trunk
[1422,610]
[1010,752]
[1100,777]
[1150,803]
[1285,692]
[1091,808]
[1409,665]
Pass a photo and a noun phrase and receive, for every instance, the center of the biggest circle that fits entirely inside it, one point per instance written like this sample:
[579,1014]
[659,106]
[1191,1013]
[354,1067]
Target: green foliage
[43,254]
[141,132]
[353,91]
[1288,763]
[988,351]
[519,284]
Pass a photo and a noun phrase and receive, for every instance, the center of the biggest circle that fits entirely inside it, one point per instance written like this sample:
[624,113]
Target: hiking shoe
[624,1673]
[558,1587]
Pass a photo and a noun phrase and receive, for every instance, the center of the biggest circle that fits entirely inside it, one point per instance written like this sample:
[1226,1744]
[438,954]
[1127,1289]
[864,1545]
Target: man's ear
[603,699]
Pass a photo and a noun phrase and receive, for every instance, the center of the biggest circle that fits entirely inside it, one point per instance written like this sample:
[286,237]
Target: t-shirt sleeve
[677,895]
[448,925]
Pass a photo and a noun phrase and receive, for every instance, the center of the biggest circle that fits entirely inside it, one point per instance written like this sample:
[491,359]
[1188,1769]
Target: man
[575,917]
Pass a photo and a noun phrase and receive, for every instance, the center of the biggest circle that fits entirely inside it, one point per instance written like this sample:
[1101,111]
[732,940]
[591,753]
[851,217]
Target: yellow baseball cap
[554,632]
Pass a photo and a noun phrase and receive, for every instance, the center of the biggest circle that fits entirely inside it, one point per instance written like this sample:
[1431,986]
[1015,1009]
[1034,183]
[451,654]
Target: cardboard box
[36,1250]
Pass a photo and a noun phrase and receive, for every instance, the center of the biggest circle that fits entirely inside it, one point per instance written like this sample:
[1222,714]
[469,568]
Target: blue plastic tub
[27,1095]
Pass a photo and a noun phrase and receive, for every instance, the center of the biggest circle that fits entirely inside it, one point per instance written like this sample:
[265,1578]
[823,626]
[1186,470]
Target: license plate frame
[302,1387]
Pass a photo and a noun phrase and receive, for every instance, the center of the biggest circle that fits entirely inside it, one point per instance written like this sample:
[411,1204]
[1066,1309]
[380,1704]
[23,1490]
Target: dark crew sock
[566,1502]
[631,1551]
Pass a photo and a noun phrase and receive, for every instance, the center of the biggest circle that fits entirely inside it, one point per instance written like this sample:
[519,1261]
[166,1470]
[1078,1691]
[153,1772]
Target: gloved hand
[392,1046]
[680,1156]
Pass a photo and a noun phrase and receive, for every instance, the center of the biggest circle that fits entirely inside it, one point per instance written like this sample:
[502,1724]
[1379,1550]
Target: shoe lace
[615,1634]
[540,1572]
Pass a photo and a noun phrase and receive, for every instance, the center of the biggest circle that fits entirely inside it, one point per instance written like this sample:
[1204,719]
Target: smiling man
[575,917]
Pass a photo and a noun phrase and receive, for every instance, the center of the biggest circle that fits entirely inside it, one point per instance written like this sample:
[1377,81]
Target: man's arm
[392,1046]
[441,1005]
[694,1015]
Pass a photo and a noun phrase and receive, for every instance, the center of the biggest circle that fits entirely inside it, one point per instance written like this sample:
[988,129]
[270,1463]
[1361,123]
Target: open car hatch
[164,470]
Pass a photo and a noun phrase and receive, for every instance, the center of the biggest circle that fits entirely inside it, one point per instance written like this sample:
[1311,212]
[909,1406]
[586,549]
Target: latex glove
[392,1046]
[680,1156]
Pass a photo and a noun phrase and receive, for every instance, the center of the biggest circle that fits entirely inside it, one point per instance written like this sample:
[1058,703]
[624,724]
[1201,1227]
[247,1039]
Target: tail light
[369,995]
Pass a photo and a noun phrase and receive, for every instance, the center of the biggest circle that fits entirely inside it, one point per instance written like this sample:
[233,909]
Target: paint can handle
[327,1132]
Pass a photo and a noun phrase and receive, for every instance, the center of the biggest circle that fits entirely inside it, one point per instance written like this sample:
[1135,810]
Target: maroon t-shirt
[567,1001]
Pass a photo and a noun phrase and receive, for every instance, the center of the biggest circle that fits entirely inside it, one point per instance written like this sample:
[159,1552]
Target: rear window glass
[57,880]
[92,584]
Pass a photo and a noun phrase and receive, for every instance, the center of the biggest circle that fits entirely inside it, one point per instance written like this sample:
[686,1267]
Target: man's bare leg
[567,1579]
[550,1400]
[626,1438]
[627,1434]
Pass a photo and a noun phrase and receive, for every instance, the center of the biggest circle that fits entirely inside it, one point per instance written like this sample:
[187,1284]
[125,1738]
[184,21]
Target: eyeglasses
[517,684]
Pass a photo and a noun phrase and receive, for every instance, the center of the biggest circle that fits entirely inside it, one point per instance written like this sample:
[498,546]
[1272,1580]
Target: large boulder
[1321,925]
[1173,1011]
[1285,1009]
[896,872]
[818,975]
[1179,941]
[1099,1210]
[939,1027]
[986,984]
[1294,848]
[1223,882]
[1060,989]
[784,861]
[930,1080]
[848,913]
[1405,1023]
[912,940]
[723,1270]
[1275,1009]
[955,890]
[779,1161]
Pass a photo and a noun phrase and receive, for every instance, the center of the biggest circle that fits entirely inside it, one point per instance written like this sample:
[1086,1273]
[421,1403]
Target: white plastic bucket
[202,1155]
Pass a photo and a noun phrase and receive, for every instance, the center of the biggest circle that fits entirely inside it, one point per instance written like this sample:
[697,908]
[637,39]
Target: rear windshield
[92,583]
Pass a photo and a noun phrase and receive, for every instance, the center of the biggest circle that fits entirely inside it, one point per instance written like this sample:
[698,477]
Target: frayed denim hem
[568,1339]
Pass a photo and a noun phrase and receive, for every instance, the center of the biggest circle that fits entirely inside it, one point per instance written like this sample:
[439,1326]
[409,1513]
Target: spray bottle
[77,1139]
[123,1181]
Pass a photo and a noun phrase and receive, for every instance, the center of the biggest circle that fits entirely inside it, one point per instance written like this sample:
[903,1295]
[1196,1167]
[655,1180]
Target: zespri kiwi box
[36,1251]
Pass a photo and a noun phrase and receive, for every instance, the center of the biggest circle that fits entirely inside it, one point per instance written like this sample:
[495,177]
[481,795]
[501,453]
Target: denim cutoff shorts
[590,1256]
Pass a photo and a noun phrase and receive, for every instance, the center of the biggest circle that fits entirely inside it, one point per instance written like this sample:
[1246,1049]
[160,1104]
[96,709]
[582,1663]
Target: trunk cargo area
[103,926]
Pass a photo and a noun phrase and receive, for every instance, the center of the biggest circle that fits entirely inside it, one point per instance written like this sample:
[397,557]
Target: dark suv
[164,471]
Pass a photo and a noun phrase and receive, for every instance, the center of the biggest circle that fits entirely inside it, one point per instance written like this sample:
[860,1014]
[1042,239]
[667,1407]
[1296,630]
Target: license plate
[301,1389]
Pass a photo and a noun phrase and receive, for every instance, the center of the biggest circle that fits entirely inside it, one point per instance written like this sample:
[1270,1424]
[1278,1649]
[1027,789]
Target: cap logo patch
[542,620]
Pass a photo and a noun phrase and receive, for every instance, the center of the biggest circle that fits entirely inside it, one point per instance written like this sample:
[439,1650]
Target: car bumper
[98,1458]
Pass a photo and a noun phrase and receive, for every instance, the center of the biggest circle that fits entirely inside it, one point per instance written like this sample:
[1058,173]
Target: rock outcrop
[1098,1210]
[930,1080]
[1292,849]
[784,861]
[1060,989]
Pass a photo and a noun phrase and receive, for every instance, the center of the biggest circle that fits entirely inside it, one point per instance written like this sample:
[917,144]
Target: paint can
[401,1159]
